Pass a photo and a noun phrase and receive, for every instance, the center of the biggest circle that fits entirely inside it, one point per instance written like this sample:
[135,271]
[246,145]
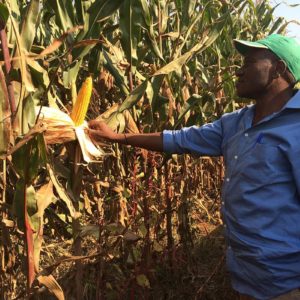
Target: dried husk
[61,129]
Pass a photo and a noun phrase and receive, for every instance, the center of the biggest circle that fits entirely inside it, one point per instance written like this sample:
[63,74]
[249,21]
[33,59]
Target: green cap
[286,48]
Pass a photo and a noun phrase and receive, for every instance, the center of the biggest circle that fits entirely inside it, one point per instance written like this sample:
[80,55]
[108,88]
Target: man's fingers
[94,124]
[99,131]
[93,134]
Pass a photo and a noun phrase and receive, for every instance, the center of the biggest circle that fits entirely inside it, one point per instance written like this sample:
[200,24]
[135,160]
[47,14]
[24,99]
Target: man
[261,149]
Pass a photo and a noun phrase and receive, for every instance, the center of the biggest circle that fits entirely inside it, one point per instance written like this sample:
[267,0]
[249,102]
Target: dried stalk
[76,188]
[28,232]
[169,214]
[7,64]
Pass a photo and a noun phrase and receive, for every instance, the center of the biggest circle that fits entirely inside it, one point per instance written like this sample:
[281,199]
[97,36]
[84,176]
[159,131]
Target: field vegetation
[136,224]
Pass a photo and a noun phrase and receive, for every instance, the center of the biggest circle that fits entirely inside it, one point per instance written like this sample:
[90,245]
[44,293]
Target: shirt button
[227,179]
[246,134]
[225,225]
[229,247]
[235,157]
[223,203]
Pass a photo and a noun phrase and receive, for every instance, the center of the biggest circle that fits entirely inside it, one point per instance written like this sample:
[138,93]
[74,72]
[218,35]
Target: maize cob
[82,102]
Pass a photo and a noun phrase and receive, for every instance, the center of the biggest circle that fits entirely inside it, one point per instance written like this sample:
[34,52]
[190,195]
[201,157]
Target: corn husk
[61,129]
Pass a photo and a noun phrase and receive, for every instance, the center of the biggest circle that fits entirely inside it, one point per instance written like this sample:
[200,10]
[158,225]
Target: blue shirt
[260,194]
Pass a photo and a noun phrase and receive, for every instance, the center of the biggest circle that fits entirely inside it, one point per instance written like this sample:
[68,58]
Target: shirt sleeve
[204,140]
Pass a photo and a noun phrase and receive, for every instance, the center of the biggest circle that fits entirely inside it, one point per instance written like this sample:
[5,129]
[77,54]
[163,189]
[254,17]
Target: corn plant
[154,65]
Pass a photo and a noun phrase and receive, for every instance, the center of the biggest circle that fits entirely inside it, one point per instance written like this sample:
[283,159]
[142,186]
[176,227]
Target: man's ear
[281,68]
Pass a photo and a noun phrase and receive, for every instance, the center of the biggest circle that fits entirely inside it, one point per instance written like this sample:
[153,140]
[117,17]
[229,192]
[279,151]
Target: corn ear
[60,128]
[82,102]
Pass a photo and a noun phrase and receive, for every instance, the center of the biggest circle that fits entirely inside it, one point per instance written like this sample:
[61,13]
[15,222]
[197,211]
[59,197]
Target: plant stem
[169,213]
[7,64]
[28,230]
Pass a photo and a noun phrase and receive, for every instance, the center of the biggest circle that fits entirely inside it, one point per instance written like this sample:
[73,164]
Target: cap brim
[244,46]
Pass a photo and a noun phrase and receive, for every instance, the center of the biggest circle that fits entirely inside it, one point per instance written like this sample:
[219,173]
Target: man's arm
[204,140]
[98,131]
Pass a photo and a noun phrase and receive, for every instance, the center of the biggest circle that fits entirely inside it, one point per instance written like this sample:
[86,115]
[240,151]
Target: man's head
[271,62]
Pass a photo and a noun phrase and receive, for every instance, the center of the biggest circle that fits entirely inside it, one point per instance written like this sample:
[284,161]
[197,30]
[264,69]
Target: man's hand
[99,131]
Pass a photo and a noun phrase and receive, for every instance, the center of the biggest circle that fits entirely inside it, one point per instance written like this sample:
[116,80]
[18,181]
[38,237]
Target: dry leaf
[57,43]
[52,285]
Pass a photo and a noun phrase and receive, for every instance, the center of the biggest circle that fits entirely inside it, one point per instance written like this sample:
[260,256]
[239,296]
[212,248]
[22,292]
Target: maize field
[115,222]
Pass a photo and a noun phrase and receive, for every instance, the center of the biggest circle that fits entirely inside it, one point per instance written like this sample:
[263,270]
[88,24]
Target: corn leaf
[177,64]
[3,13]
[52,285]
[29,24]
[188,106]
[134,96]
[116,72]
[131,18]
[64,13]
[62,194]
[98,11]
[36,156]
[5,124]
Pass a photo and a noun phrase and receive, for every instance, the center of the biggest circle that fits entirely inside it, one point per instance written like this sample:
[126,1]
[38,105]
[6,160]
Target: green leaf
[44,197]
[19,204]
[95,60]
[188,11]
[188,106]
[70,75]
[164,15]
[28,112]
[62,194]
[39,74]
[134,96]
[80,10]
[146,13]
[23,194]
[4,14]
[156,83]
[98,11]
[282,28]
[275,26]
[131,18]
[31,204]
[177,64]
[116,121]
[20,63]
[64,13]
[151,34]
[195,119]
[29,24]
[36,156]
[5,125]
[116,72]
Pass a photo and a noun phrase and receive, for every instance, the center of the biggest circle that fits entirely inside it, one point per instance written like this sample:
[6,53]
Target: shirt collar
[249,116]
[294,102]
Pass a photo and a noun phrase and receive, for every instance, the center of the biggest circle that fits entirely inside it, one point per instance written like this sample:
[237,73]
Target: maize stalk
[82,102]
